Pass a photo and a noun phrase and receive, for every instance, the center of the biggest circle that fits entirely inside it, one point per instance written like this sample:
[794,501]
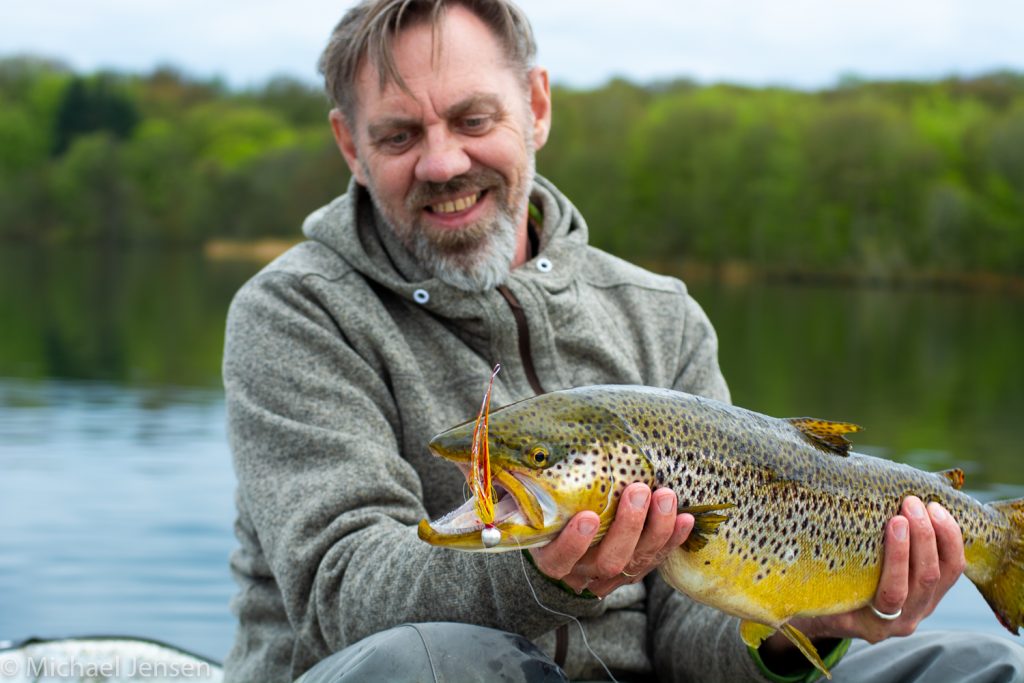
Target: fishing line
[586,643]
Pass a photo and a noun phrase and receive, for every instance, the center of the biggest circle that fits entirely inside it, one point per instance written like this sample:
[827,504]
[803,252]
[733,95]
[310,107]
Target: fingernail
[899,529]
[938,513]
[665,504]
[587,526]
[638,499]
[915,509]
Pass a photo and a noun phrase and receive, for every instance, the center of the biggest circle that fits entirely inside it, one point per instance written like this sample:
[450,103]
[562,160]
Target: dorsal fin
[955,477]
[826,434]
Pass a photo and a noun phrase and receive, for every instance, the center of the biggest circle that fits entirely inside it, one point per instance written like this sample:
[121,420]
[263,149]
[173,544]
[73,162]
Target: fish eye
[538,455]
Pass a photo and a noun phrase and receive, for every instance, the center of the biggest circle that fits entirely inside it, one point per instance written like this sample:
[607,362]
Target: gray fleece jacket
[343,357]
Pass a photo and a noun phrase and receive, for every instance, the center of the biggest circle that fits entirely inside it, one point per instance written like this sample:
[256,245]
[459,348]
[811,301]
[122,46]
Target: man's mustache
[427,192]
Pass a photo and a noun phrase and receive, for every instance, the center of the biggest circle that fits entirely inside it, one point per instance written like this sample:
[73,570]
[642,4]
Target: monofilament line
[586,643]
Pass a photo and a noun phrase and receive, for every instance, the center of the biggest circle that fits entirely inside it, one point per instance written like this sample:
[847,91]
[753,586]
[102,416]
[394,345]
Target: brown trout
[789,522]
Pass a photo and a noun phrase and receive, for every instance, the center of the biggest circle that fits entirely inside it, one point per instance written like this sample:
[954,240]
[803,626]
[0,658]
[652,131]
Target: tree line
[868,177]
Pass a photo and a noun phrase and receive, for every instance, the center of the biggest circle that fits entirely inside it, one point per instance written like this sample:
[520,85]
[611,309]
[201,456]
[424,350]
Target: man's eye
[398,141]
[476,124]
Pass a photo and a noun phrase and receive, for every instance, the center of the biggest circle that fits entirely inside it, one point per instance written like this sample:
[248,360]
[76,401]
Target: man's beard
[476,257]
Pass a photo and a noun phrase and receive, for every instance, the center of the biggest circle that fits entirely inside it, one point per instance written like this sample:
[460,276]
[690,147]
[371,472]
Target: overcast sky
[802,43]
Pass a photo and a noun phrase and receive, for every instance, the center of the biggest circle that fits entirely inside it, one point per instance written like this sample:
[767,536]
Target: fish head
[550,457]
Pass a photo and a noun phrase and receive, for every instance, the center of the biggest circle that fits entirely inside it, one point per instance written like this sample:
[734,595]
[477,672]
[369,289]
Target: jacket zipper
[523,332]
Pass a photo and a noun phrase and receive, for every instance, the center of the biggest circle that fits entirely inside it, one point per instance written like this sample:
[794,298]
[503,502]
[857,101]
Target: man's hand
[918,569]
[646,528]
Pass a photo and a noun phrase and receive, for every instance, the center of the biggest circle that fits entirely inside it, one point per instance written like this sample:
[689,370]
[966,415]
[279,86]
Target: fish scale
[787,523]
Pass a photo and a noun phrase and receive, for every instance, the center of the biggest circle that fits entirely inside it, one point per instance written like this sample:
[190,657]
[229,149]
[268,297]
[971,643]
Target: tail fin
[1005,592]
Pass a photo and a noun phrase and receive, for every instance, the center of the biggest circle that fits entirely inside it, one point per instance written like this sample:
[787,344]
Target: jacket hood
[351,226]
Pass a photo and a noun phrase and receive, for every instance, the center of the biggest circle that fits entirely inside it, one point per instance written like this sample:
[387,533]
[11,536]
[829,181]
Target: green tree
[93,105]
[868,177]
[93,198]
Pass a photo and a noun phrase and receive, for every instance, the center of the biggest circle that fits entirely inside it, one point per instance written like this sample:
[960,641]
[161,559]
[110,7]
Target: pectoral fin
[753,634]
[705,524]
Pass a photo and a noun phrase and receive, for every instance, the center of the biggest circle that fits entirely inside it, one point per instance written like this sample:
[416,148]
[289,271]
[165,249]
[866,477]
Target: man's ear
[346,144]
[540,105]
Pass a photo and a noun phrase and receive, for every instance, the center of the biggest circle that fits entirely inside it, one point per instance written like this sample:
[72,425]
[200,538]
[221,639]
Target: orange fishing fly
[480,459]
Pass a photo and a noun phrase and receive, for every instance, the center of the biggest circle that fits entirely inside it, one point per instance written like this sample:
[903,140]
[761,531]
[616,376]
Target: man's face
[450,165]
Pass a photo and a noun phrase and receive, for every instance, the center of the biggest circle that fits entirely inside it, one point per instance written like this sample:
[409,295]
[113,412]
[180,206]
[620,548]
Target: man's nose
[442,157]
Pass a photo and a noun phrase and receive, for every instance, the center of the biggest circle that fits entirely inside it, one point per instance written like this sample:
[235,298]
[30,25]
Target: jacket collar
[351,226]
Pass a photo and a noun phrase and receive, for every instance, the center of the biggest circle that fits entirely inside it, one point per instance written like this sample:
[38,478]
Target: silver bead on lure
[490,536]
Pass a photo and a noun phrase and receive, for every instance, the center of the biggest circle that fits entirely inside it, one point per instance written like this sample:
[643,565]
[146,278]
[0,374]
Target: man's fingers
[925,571]
[683,526]
[950,543]
[645,529]
[558,558]
[894,582]
[620,542]
[924,559]
[661,523]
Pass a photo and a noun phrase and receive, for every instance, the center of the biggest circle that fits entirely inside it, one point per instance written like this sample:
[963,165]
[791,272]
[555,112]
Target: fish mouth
[525,513]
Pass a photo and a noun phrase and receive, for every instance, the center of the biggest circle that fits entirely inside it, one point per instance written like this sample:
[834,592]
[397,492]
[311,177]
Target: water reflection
[152,317]
[116,516]
[116,493]
[935,378]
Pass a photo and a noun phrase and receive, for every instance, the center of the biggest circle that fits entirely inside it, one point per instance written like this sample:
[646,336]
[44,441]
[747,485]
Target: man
[448,254]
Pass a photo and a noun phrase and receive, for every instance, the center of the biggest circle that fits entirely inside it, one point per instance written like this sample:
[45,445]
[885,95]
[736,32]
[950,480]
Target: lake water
[115,478]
